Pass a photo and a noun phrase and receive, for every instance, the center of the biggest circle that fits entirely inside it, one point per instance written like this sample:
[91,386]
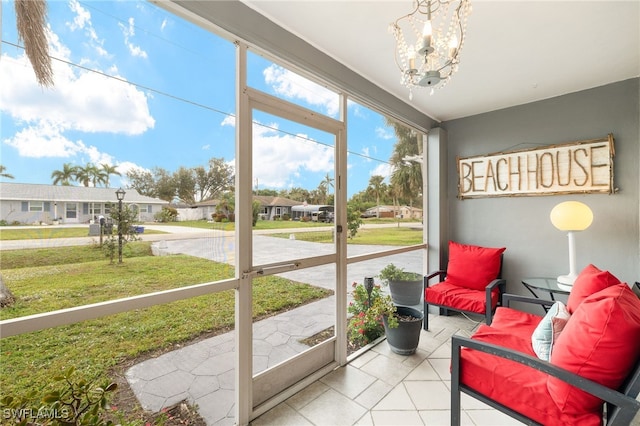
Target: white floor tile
[429,395]
[442,366]
[397,399]
[332,408]
[396,418]
[443,418]
[348,380]
[424,371]
[491,418]
[373,394]
[283,415]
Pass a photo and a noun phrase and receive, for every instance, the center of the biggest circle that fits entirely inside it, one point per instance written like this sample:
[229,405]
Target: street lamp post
[120,196]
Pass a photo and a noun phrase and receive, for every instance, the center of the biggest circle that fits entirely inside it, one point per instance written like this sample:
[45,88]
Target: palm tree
[376,188]
[109,170]
[64,176]
[323,188]
[3,174]
[31,16]
[85,175]
[407,175]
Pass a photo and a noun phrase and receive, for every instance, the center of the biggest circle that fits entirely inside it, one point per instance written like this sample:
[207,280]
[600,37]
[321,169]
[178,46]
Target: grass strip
[48,232]
[401,236]
[30,361]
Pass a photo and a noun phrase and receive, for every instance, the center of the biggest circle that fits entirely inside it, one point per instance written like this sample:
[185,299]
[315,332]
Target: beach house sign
[575,167]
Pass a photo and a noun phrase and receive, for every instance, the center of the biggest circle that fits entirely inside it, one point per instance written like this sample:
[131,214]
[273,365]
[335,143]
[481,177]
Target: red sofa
[594,358]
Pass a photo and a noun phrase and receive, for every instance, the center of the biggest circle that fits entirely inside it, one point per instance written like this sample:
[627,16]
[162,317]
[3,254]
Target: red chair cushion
[600,343]
[590,280]
[471,266]
[498,379]
[518,323]
[461,298]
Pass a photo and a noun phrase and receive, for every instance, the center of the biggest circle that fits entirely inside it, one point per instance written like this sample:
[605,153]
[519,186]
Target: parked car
[325,216]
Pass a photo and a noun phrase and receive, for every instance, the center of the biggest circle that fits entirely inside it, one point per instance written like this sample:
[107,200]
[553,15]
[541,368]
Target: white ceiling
[515,52]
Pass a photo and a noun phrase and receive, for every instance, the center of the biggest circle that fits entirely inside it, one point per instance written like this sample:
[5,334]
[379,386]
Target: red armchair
[471,283]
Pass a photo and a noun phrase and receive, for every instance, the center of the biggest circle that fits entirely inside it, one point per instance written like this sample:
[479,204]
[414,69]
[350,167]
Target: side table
[548,285]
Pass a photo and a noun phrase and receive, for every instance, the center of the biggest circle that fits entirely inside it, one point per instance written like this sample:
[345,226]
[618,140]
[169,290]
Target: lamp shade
[571,216]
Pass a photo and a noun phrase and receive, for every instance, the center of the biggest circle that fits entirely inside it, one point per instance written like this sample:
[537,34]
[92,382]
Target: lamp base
[565,282]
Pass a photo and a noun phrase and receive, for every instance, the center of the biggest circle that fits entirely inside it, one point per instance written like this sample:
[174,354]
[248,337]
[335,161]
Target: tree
[407,173]
[296,193]
[108,170]
[3,174]
[165,184]
[266,192]
[64,176]
[124,220]
[214,181]
[143,182]
[31,16]
[377,188]
[90,175]
[323,189]
[185,184]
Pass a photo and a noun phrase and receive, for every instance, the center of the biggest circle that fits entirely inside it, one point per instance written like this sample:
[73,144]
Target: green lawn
[378,236]
[261,224]
[48,232]
[96,347]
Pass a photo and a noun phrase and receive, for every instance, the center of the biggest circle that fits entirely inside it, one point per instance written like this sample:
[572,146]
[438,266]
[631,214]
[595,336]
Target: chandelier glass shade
[429,41]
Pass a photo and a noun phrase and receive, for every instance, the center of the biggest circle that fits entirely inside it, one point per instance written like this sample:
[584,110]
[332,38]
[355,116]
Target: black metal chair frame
[444,309]
[621,406]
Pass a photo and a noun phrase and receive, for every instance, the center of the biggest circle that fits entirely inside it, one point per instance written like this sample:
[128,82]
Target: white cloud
[46,140]
[383,169]
[280,157]
[79,101]
[128,32]
[82,16]
[384,133]
[82,21]
[164,24]
[229,120]
[293,86]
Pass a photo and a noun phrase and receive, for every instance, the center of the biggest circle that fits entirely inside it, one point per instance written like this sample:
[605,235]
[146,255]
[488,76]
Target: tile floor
[383,388]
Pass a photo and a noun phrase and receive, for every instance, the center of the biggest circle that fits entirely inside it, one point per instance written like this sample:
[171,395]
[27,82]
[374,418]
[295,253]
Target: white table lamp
[571,216]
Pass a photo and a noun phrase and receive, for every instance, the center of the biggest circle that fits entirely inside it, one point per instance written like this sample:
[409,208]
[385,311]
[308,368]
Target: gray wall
[534,246]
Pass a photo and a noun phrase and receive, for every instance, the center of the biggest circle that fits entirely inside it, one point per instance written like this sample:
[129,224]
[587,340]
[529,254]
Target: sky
[138,88]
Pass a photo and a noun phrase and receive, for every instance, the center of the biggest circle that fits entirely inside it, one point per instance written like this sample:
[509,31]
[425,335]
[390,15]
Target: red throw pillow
[591,280]
[471,266]
[600,343]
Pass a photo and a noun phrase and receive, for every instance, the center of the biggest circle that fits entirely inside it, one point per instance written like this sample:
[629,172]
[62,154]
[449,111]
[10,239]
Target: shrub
[366,324]
[167,214]
[75,402]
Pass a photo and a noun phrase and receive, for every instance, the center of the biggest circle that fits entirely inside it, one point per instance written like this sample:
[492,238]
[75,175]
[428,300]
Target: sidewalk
[203,373]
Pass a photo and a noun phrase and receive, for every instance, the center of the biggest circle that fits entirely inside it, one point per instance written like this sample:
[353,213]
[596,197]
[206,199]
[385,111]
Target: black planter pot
[404,339]
[406,293]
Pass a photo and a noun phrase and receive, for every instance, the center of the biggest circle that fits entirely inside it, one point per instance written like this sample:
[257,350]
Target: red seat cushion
[600,343]
[518,323]
[456,297]
[590,280]
[472,266]
[515,385]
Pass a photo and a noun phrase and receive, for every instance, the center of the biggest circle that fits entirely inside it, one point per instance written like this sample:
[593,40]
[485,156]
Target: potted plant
[365,324]
[405,287]
[374,314]
[402,325]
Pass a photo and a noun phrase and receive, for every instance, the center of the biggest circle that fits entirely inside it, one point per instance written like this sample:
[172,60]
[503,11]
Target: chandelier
[429,41]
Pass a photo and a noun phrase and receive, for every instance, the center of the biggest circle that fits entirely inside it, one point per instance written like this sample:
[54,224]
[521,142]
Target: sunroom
[532,75]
